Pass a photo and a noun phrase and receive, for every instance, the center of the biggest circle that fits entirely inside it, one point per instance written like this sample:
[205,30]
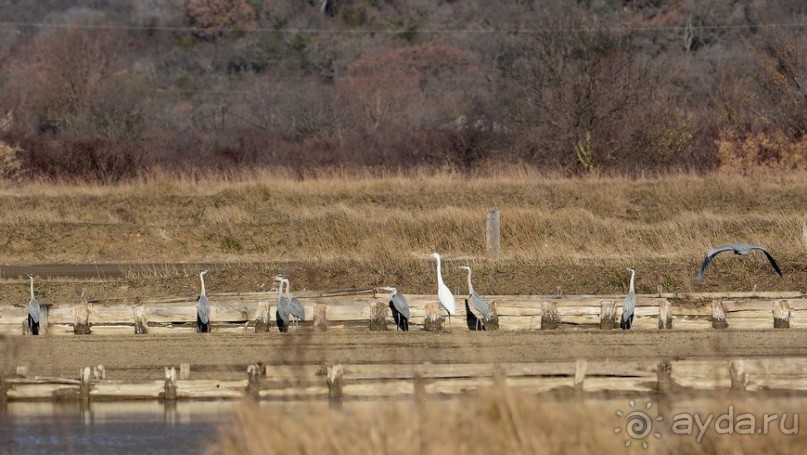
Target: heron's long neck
[202,279]
[32,288]
[470,286]
[288,289]
[439,272]
[280,290]
[632,277]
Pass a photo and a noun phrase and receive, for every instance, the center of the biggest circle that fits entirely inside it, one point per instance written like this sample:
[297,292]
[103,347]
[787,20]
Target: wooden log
[320,317]
[664,374]
[141,323]
[781,314]
[433,322]
[607,314]
[550,319]
[739,378]
[170,386]
[378,316]
[253,380]
[184,371]
[579,374]
[493,231]
[84,388]
[81,322]
[262,318]
[665,314]
[44,309]
[335,382]
[718,315]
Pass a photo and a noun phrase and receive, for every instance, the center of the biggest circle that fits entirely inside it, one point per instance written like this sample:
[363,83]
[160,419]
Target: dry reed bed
[497,420]
[380,226]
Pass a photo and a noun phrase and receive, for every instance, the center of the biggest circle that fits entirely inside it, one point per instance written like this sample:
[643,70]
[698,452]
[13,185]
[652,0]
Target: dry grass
[496,421]
[360,229]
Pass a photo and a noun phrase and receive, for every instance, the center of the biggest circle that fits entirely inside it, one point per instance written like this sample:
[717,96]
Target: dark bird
[399,307]
[739,248]
[33,310]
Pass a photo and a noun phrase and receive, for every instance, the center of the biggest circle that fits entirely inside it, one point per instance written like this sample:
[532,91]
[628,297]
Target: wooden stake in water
[781,314]
[607,314]
[718,315]
[262,322]
[378,316]
[665,315]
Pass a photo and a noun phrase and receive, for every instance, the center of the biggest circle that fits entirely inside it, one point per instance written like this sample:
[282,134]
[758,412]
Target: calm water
[111,428]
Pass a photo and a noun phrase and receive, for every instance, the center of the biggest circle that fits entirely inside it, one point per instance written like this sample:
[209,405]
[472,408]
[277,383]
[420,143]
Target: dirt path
[144,356]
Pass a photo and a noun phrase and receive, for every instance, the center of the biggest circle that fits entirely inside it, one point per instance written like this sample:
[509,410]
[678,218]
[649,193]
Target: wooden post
[739,378]
[718,315]
[141,323]
[378,316]
[81,320]
[492,323]
[22,370]
[559,292]
[664,374]
[781,314]
[25,329]
[335,382]
[665,314]
[262,319]
[494,231]
[321,317]
[99,372]
[84,388]
[549,316]
[184,371]
[660,290]
[253,380]
[607,314]
[43,318]
[579,374]
[420,387]
[170,384]
[434,320]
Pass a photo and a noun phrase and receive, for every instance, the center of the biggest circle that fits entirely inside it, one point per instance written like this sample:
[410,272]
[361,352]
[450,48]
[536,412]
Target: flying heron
[443,293]
[399,307]
[476,300]
[202,307]
[630,304]
[738,248]
[33,310]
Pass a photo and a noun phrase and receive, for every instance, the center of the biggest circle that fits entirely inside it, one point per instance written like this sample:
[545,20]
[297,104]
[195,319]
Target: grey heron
[741,249]
[400,308]
[295,308]
[202,307]
[282,312]
[444,294]
[476,300]
[630,304]
[33,310]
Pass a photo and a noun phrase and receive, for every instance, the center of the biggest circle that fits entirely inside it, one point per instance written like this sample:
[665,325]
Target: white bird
[202,307]
[33,310]
[741,249]
[629,305]
[443,293]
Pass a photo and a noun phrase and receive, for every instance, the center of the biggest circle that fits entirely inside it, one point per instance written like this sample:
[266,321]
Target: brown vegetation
[357,230]
[499,420]
[106,93]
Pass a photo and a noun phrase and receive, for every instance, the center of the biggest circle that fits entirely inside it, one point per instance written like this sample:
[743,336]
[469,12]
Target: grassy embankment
[360,230]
